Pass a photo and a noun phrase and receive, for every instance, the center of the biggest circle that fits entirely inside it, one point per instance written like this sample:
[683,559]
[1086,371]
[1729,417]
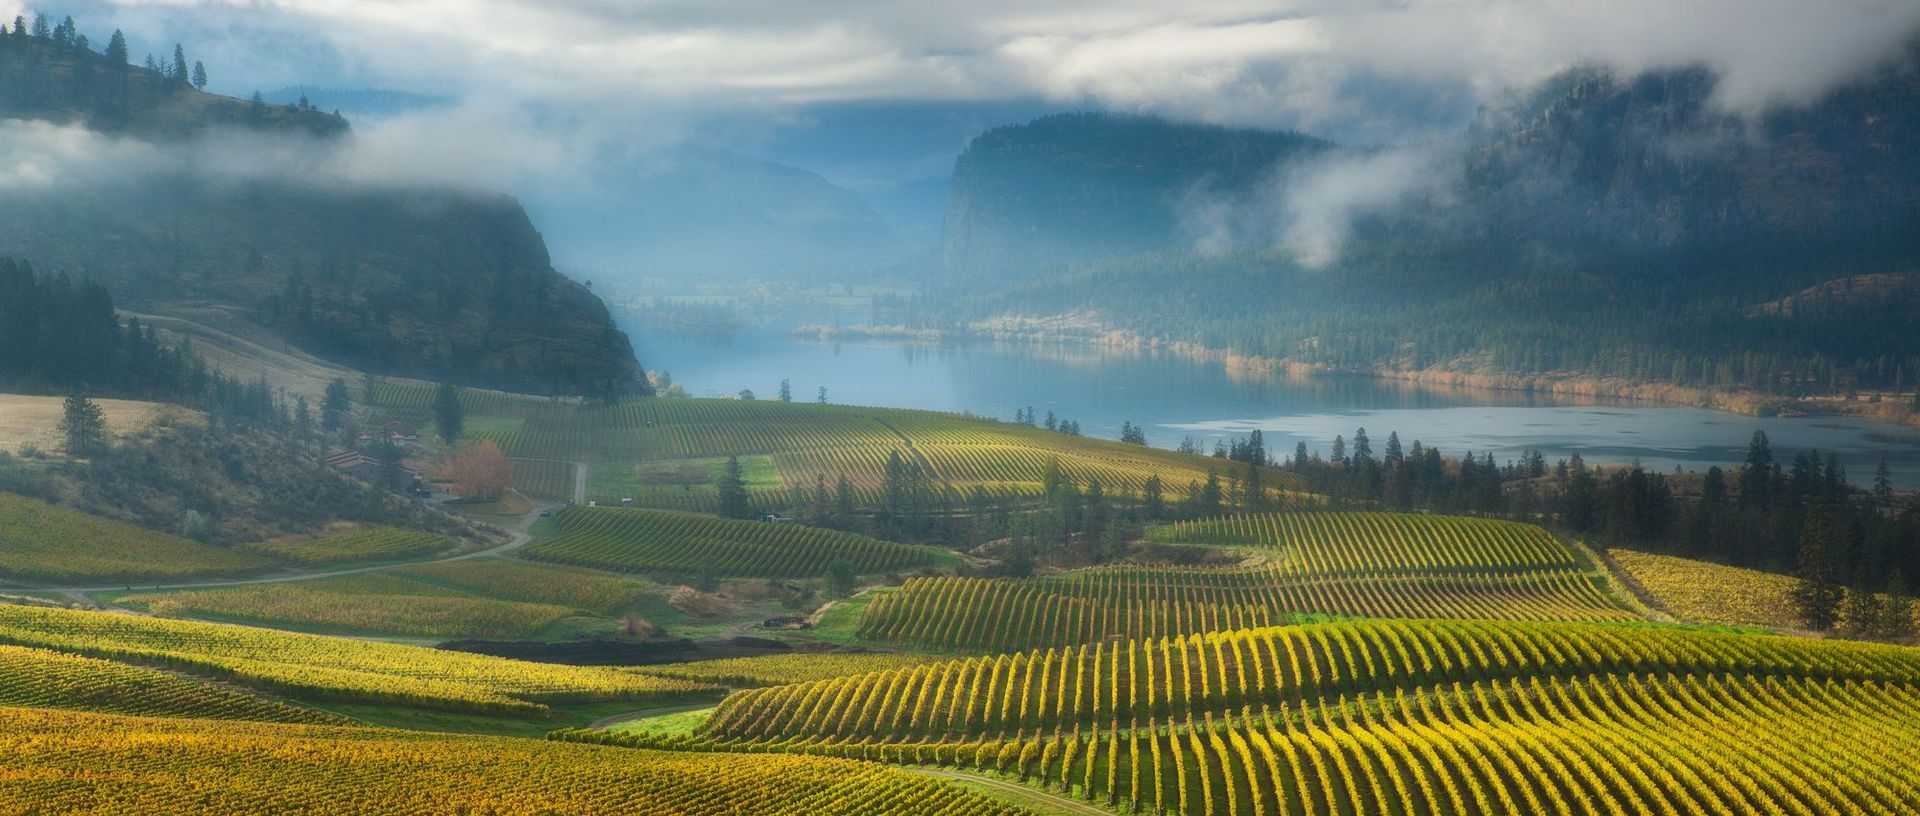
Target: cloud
[1319,202]
[39,156]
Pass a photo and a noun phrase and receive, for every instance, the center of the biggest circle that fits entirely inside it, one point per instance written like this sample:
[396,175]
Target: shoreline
[1083,331]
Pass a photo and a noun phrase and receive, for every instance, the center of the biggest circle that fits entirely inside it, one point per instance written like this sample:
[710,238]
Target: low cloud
[1307,208]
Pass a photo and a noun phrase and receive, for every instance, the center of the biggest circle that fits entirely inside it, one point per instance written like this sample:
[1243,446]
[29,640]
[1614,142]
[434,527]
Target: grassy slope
[44,542]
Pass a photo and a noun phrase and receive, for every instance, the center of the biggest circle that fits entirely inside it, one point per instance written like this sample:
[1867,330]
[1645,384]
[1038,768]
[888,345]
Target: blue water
[1173,396]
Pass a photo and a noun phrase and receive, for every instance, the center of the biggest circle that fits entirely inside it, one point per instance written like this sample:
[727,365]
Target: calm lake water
[1173,397]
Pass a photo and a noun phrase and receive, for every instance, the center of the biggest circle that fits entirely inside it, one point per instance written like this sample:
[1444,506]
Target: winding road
[517,536]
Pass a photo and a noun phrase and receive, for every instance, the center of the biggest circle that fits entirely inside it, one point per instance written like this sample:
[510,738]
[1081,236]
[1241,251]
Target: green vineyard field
[68,762]
[376,544]
[1379,565]
[333,667]
[40,678]
[658,541]
[42,542]
[801,440]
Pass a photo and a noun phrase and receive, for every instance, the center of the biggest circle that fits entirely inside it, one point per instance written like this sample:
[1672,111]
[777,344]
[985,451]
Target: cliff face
[436,283]
[1079,187]
[1651,163]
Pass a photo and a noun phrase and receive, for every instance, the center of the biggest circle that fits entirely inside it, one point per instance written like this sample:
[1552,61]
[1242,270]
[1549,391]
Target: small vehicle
[546,512]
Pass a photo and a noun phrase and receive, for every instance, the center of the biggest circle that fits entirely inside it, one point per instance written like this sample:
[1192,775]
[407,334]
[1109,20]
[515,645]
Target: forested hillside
[226,209]
[1599,227]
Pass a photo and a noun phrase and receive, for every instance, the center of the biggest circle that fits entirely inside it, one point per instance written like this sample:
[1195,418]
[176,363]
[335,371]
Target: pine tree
[334,405]
[1882,483]
[786,390]
[83,425]
[1896,616]
[1816,597]
[1860,610]
[199,75]
[843,505]
[449,415]
[1156,502]
[731,484]
[821,397]
[178,71]
[1756,478]
[841,582]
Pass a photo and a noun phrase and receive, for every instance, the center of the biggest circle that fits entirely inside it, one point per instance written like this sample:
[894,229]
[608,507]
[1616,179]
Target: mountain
[1601,227]
[183,208]
[1074,187]
[700,214]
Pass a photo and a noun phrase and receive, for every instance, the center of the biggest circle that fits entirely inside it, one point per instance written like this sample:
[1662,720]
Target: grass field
[33,421]
[661,542]
[56,762]
[651,450]
[1376,565]
[45,543]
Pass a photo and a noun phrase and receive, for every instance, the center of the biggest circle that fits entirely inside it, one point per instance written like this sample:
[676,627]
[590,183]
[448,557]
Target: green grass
[841,623]
[644,479]
[666,722]
[45,543]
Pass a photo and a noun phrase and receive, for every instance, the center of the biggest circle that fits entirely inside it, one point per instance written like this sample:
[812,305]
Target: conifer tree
[334,405]
[199,75]
[449,415]
[1816,596]
[83,425]
[117,51]
[731,484]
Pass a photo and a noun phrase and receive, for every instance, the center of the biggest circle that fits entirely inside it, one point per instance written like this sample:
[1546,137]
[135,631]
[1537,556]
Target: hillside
[1074,187]
[433,282]
[1598,228]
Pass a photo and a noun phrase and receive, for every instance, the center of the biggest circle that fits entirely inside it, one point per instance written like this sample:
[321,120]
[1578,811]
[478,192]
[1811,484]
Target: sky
[547,94]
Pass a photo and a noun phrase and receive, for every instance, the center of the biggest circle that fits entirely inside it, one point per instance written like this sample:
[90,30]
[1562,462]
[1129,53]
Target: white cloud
[1318,202]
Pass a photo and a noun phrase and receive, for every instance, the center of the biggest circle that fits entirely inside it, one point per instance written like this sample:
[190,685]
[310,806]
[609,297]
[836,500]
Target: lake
[1174,396]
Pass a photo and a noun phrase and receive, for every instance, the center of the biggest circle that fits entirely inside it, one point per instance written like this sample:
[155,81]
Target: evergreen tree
[178,70]
[199,75]
[786,390]
[41,28]
[1339,450]
[449,415]
[821,397]
[1583,507]
[1210,495]
[1256,493]
[334,405]
[117,51]
[1882,483]
[1756,478]
[1300,456]
[302,418]
[731,485]
[1156,503]
[820,509]
[83,425]
[841,582]
[1860,610]
[1816,596]
[1896,617]
[843,504]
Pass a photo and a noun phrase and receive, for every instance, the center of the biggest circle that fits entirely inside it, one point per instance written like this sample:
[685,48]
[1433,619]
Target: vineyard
[370,602]
[571,587]
[332,667]
[657,541]
[1705,592]
[60,761]
[1385,717]
[800,440]
[376,544]
[782,669]
[43,679]
[1376,565]
[42,542]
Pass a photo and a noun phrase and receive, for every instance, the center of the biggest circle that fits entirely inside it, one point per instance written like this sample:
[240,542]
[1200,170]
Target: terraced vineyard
[584,589]
[46,679]
[332,667]
[375,544]
[801,439]
[1382,565]
[56,761]
[657,541]
[45,543]
[1387,717]
[371,602]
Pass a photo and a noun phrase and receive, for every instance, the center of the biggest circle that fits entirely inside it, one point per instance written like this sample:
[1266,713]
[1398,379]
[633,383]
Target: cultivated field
[667,447]
[56,759]
[657,541]
[50,544]
[1384,565]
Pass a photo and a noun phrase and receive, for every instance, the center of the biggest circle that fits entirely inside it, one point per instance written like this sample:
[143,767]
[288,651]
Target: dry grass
[35,421]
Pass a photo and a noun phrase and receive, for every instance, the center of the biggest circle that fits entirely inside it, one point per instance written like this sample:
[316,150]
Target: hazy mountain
[185,209]
[1074,187]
